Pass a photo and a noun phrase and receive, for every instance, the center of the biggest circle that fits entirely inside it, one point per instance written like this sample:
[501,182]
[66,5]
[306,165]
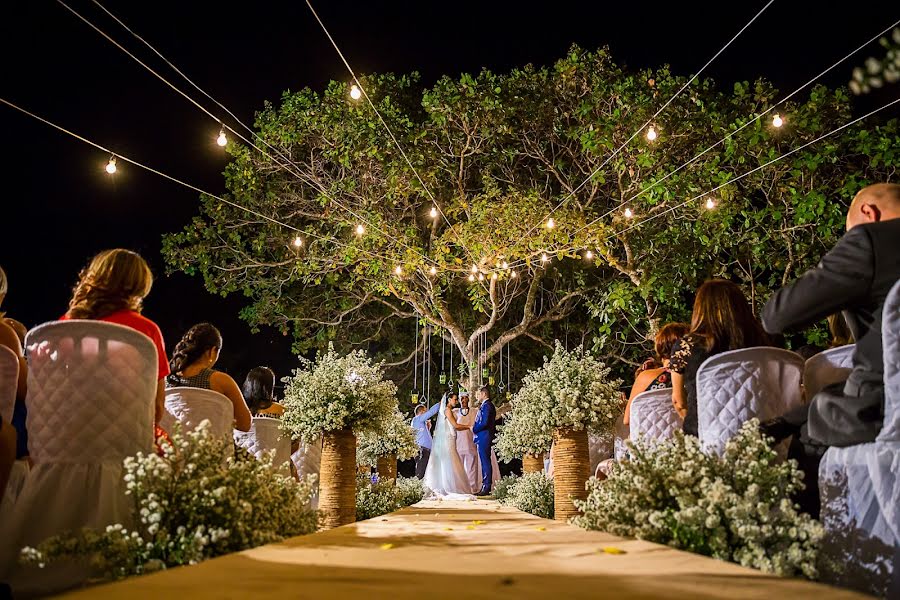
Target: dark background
[59,207]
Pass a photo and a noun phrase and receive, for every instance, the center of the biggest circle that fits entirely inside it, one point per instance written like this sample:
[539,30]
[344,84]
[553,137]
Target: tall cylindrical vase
[387,467]
[533,463]
[571,469]
[337,479]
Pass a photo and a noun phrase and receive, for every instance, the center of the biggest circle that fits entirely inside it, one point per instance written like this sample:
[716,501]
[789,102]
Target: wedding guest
[659,377]
[840,336]
[259,393]
[192,366]
[722,320]
[423,436]
[11,339]
[112,288]
[854,277]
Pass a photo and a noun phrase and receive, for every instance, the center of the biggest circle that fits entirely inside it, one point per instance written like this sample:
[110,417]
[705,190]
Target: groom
[484,430]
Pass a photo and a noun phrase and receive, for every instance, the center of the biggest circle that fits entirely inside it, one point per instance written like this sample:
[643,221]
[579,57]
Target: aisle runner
[463,551]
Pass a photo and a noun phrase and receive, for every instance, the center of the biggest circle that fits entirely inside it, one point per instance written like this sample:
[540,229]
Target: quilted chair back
[9,381]
[266,436]
[653,416]
[190,406]
[828,367]
[91,392]
[739,385]
[890,338]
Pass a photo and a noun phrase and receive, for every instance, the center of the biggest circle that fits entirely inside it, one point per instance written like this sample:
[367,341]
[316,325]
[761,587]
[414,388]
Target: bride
[445,475]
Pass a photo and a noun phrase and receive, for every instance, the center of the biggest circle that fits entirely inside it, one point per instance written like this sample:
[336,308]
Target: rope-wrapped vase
[337,479]
[533,463]
[571,469]
[387,467]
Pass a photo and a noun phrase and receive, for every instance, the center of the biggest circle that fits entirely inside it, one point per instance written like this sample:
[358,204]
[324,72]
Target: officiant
[465,441]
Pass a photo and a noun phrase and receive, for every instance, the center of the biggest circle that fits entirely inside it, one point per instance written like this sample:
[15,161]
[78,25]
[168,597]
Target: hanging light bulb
[628,213]
[710,203]
[355,92]
[504,265]
[433,212]
[111,165]
[513,274]
[651,133]
[298,241]
[777,121]
[471,278]
[589,255]
[481,277]
[398,271]
[433,270]
[222,139]
[544,257]
[551,223]
[360,229]
[474,268]
[493,276]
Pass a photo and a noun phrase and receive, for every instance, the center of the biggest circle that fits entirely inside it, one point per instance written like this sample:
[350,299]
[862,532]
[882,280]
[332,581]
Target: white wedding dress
[445,476]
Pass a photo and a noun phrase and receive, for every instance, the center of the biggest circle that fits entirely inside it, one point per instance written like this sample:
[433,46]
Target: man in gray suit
[854,277]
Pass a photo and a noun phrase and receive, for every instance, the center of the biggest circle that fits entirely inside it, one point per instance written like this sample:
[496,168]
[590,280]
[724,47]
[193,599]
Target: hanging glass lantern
[443,378]
[485,372]
[491,380]
[415,398]
[473,365]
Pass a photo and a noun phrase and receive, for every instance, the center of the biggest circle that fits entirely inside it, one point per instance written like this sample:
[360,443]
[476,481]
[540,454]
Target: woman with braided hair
[192,366]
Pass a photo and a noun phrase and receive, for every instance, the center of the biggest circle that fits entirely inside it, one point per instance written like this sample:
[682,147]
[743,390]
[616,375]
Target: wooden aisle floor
[463,551]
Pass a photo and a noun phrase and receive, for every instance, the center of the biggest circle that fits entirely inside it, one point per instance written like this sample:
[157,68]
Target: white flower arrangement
[190,505]
[394,435]
[376,497]
[336,392]
[735,507]
[571,390]
[531,493]
[519,434]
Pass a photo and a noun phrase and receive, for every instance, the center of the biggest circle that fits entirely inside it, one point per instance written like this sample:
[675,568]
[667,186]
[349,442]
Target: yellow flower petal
[470,527]
[613,550]
[541,528]
[479,522]
[448,529]
[387,546]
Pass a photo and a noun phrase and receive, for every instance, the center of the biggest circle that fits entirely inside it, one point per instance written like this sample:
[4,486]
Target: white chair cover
[859,487]
[190,406]
[736,386]
[266,436]
[307,460]
[9,382]
[653,416]
[91,391]
[828,367]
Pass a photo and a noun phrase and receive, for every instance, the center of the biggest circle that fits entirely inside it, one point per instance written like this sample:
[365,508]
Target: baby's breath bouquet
[393,437]
[337,392]
[735,507]
[190,505]
[378,496]
[521,434]
[531,493]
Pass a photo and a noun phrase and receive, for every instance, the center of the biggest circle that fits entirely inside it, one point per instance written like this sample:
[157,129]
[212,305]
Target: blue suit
[484,430]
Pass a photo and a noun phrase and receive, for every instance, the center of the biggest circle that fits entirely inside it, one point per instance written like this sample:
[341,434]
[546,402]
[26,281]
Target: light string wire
[650,120]
[183,183]
[296,174]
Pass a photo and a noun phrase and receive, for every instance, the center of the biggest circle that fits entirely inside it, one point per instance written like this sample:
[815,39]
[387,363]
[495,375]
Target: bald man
[854,277]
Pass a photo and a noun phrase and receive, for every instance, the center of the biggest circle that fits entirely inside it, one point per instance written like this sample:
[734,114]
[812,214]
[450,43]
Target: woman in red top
[112,288]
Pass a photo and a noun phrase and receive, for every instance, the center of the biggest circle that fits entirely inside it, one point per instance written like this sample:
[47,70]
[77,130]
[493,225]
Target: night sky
[60,208]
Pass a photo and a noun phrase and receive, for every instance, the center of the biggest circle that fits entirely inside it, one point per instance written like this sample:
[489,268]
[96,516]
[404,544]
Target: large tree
[494,154]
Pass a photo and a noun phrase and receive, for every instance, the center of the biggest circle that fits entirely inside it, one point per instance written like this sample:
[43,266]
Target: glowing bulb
[493,276]
[481,277]
[222,139]
[777,121]
[651,133]
[474,268]
[360,229]
[544,258]
[398,271]
[589,255]
[513,274]
[471,278]
[111,165]
[710,203]
[355,92]
[504,265]
[434,212]
[298,241]
[433,270]
[551,223]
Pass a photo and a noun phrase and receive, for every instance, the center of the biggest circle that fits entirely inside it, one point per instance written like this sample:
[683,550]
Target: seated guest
[854,277]
[721,321]
[10,338]
[192,366]
[657,378]
[840,336]
[259,390]
[112,288]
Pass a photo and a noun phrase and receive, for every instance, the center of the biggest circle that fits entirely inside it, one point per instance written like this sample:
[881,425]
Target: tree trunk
[533,463]
[571,469]
[337,479]
[387,467]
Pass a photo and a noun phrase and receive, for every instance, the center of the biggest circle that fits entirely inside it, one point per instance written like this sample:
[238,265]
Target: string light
[471,278]
[355,92]
[513,274]
[493,276]
[222,139]
[298,241]
[544,257]
[360,229]
[434,212]
[589,255]
[398,271]
[111,165]
[777,121]
[481,277]
[474,268]
[504,265]
[433,270]
[628,213]
[651,133]
[710,203]
[551,223]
